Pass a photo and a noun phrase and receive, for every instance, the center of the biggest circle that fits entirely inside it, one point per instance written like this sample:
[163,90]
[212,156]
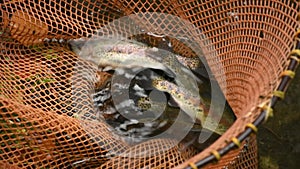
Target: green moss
[268,162]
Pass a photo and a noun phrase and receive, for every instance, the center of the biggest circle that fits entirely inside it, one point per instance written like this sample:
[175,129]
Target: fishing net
[251,48]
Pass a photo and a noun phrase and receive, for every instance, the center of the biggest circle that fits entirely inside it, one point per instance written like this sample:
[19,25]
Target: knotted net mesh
[250,40]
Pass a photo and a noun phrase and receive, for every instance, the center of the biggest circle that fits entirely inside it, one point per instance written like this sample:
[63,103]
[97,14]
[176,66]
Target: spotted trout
[131,54]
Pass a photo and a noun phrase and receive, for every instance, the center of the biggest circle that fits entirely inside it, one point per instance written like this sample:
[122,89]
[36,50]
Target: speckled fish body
[188,103]
[120,54]
[184,77]
[186,84]
[127,54]
[185,91]
[192,63]
[186,100]
[130,54]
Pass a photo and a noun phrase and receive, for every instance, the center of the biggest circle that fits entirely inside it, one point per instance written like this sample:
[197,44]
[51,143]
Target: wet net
[251,48]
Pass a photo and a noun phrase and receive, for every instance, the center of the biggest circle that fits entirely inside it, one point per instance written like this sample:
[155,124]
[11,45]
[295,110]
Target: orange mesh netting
[47,123]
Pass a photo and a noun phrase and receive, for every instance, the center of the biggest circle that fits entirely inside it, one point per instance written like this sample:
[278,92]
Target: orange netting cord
[254,41]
